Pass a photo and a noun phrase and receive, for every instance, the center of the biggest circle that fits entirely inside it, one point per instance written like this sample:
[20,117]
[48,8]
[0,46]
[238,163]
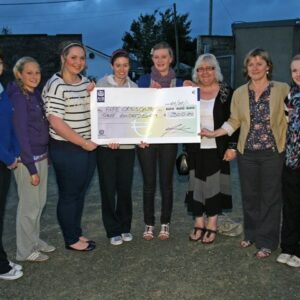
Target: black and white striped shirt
[70,102]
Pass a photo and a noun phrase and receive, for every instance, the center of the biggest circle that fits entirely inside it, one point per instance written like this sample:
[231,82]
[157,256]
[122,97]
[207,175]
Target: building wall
[216,44]
[42,47]
[223,48]
[279,41]
[98,66]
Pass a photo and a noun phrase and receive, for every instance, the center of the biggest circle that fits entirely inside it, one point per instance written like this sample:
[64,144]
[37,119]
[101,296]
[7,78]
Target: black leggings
[5,175]
[165,154]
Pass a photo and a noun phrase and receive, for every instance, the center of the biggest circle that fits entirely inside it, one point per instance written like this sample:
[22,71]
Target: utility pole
[210,18]
[176,38]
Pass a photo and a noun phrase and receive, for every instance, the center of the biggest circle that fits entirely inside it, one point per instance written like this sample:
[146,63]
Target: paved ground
[175,269]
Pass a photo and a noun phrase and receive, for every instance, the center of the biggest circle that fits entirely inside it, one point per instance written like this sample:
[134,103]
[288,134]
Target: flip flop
[196,229]
[246,244]
[209,232]
[263,253]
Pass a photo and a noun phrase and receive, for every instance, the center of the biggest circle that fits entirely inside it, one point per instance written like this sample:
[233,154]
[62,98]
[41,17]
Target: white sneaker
[15,266]
[283,258]
[12,274]
[164,233]
[37,256]
[294,261]
[127,237]
[116,240]
[47,248]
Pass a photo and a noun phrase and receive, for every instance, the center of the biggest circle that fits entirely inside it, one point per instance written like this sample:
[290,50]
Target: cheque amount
[138,121]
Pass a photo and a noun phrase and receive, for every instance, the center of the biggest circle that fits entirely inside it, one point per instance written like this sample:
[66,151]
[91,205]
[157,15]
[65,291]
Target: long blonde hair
[19,67]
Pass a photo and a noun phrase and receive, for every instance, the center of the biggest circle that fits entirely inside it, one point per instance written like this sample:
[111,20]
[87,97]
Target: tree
[6,31]
[151,29]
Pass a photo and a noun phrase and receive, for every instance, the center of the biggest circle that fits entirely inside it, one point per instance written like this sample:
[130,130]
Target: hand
[189,83]
[143,145]
[89,145]
[13,165]
[90,87]
[35,179]
[155,84]
[229,155]
[207,133]
[113,146]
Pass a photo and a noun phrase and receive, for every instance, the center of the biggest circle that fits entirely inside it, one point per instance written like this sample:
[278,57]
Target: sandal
[207,234]
[164,233]
[246,244]
[194,233]
[148,233]
[263,253]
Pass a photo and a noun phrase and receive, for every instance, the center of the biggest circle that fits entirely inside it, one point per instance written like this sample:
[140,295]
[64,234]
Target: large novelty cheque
[132,115]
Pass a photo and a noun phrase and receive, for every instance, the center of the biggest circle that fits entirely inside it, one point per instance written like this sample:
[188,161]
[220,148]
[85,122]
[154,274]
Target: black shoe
[90,247]
[91,242]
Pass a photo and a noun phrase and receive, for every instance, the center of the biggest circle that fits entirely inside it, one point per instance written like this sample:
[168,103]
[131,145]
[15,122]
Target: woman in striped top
[72,152]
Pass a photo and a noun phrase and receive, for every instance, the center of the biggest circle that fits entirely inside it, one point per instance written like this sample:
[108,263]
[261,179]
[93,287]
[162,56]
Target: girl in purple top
[31,127]
[9,151]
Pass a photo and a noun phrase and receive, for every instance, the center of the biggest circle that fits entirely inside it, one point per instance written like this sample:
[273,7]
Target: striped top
[70,102]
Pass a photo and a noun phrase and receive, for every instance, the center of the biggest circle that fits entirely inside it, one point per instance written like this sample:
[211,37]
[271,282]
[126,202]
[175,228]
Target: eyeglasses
[206,69]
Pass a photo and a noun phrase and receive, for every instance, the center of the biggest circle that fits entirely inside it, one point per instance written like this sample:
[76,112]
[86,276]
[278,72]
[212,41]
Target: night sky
[103,22]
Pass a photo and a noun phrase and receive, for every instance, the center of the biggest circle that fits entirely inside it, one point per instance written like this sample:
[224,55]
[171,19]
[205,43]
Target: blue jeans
[74,169]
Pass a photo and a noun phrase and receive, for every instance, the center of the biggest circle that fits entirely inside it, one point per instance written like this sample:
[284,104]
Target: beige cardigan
[240,114]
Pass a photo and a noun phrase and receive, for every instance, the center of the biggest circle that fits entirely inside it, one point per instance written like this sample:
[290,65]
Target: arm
[8,155]
[230,153]
[213,134]
[55,112]
[20,121]
[231,125]
[66,132]
[9,146]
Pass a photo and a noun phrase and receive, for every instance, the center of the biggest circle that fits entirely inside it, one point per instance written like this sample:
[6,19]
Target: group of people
[267,114]
[249,123]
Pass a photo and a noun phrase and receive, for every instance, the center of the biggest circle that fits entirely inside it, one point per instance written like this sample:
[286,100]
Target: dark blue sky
[103,22]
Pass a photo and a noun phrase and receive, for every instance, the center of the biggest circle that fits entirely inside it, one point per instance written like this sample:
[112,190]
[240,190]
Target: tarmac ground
[175,269]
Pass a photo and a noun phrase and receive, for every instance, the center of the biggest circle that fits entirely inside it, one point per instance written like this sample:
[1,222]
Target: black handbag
[182,164]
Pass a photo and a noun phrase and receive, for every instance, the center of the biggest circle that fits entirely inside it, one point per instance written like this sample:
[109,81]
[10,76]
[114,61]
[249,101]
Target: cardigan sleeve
[233,123]
[20,121]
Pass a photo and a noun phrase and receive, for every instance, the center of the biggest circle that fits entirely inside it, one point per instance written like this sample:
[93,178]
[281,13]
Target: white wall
[98,67]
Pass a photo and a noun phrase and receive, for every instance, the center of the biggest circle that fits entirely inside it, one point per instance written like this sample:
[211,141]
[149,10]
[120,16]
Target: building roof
[13,35]
[97,51]
[274,23]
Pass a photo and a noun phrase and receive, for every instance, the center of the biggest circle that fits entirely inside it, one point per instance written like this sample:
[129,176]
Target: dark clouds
[103,22]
